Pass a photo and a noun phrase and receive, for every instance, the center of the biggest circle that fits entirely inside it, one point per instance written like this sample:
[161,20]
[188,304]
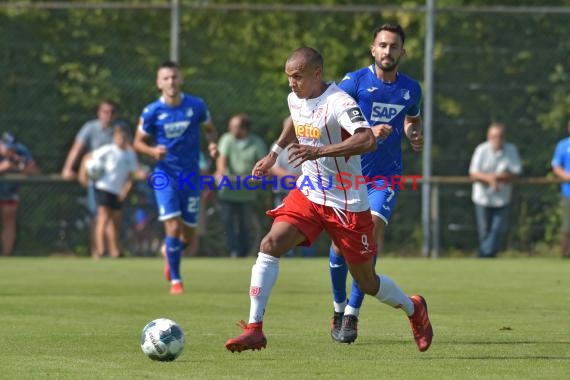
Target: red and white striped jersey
[330,119]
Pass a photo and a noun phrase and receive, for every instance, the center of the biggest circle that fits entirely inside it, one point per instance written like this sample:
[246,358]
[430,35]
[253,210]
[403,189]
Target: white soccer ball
[162,339]
[95,169]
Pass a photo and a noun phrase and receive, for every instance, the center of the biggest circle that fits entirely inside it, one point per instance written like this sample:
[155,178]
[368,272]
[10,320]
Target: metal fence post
[428,116]
[435,235]
[175,30]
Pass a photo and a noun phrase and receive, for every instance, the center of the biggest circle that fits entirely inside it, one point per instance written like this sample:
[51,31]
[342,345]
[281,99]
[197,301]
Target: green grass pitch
[79,319]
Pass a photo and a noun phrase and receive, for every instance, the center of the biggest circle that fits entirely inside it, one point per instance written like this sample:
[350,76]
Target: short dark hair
[168,64]
[244,120]
[498,125]
[311,56]
[122,127]
[108,102]
[390,27]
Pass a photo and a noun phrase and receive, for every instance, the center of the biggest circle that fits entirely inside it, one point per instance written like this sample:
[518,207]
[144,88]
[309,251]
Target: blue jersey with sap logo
[384,103]
[177,128]
[561,159]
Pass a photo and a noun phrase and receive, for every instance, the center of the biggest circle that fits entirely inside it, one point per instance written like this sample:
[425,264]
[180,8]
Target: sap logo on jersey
[173,130]
[384,112]
[307,130]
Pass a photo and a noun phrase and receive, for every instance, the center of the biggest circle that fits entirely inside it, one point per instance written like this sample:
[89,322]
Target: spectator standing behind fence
[561,167]
[494,165]
[239,151]
[14,158]
[92,135]
[286,175]
[117,165]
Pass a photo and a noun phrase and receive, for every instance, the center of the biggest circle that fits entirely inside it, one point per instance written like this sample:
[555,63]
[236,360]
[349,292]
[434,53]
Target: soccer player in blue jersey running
[390,102]
[174,122]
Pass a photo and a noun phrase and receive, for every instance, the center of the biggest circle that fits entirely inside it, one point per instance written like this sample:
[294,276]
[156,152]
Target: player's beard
[389,67]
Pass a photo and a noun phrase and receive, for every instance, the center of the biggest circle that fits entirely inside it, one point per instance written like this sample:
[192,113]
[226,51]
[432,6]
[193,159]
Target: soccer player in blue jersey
[174,122]
[561,168]
[390,101]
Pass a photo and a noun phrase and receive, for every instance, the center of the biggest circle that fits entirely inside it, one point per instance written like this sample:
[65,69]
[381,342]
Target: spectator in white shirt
[111,167]
[494,165]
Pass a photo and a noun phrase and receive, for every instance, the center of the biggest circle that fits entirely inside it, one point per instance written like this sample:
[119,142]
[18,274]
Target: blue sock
[357,295]
[339,270]
[173,254]
[183,246]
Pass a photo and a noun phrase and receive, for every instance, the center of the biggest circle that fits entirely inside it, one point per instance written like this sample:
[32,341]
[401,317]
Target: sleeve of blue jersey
[415,110]
[348,84]
[205,112]
[147,120]
[557,158]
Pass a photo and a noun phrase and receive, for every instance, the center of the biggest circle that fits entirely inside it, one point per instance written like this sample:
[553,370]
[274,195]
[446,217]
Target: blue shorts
[173,202]
[382,198]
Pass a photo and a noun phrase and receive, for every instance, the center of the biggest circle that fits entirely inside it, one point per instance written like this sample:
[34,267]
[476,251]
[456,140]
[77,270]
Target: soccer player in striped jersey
[327,136]
[174,122]
[390,101]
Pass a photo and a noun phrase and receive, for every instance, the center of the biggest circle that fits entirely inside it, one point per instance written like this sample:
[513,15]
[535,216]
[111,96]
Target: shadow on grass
[525,357]
[456,343]
[499,343]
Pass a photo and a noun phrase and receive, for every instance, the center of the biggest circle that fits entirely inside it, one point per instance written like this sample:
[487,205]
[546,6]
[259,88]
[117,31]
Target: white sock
[339,307]
[263,276]
[390,294]
[351,311]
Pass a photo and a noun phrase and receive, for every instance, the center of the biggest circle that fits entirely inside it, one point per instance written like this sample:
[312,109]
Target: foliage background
[512,67]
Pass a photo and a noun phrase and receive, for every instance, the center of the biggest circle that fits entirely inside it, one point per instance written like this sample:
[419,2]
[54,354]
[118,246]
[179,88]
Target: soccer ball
[162,340]
[95,169]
